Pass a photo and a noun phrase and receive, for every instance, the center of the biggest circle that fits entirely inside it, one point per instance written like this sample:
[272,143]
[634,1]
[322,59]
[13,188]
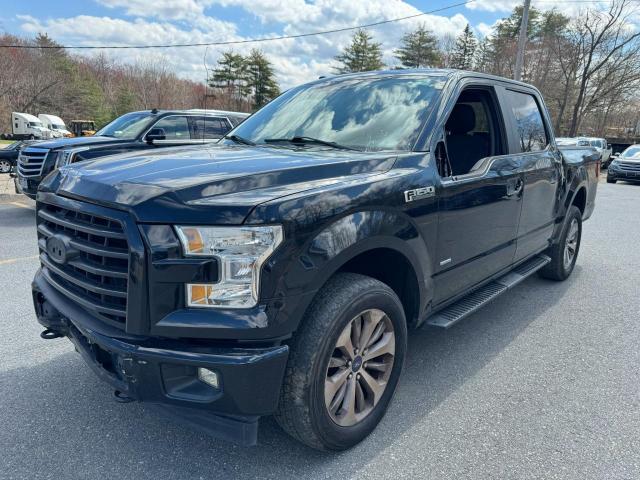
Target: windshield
[631,152]
[370,113]
[127,126]
[596,143]
[35,124]
[57,127]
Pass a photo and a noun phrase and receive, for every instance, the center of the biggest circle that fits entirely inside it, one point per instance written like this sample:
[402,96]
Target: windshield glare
[631,152]
[370,114]
[127,126]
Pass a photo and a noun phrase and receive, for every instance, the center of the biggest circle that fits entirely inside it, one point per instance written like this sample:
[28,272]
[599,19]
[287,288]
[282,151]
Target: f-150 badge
[419,193]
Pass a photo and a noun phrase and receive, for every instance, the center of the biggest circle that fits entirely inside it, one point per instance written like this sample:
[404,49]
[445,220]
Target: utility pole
[522,41]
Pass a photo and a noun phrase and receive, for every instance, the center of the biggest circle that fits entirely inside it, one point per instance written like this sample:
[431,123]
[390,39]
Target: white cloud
[164,9]
[193,21]
[493,5]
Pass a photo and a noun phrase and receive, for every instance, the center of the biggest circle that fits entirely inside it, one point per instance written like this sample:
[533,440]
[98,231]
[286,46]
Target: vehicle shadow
[63,419]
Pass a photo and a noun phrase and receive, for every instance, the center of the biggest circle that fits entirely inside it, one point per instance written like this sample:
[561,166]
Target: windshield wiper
[239,139]
[308,141]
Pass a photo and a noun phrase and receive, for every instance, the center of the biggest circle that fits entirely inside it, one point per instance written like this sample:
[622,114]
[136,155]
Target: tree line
[587,66]
[77,87]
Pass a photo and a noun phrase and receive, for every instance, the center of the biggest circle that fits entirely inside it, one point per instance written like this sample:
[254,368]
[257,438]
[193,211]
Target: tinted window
[365,112]
[528,121]
[127,127]
[175,127]
[209,127]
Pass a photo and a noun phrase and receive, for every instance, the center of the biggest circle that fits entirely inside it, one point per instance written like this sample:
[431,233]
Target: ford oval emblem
[58,248]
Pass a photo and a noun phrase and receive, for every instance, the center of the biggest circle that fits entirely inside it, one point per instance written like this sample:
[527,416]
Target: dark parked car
[131,132]
[9,155]
[280,271]
[625,166]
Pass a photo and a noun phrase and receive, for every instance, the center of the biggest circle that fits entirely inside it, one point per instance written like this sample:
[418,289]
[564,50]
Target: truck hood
[214,184]
[79,142]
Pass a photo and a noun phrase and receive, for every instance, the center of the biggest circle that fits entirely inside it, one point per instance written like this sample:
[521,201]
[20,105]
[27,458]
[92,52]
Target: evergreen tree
[231,77]
[465,49]
[261,79]
[484,56]
[419,49]
[362,55]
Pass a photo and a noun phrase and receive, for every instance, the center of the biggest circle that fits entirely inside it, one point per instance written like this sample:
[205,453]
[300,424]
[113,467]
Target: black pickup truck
[131,132]
[280,271]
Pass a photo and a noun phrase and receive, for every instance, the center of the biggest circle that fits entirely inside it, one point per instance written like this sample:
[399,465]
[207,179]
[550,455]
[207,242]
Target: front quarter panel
[326,229]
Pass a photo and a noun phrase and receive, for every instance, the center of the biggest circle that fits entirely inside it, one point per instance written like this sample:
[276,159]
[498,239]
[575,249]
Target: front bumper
[619,174]
[30,189]
[164,371]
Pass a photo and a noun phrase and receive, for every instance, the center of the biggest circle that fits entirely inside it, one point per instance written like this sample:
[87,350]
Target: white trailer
[27,127]
[55,124]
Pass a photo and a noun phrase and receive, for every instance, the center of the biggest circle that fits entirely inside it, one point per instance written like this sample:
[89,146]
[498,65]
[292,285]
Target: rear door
[541,164]
[207,128]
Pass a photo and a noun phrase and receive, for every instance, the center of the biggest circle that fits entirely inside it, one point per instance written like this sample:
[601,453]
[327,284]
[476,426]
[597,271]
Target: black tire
[611,180]
[32,137]
[302,411]
[558,269]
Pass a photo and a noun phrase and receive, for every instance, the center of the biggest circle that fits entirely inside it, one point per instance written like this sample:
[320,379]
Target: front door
[480,195]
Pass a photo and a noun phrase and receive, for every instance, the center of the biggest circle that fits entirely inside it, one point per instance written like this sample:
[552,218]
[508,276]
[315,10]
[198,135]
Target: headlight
[65,157]
[241,252]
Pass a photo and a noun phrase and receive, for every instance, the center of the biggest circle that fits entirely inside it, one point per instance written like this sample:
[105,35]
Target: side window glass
[209,127]
[530,125]
[175,127]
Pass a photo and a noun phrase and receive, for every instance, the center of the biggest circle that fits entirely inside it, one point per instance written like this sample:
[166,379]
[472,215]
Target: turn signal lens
[195,243]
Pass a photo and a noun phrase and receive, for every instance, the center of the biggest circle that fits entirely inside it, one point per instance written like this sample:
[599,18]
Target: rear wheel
[344,363]
[565,253]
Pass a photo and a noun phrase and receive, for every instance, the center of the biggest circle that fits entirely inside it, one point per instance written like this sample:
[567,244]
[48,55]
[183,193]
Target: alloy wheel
[359,367]
[571,244]
[5,166]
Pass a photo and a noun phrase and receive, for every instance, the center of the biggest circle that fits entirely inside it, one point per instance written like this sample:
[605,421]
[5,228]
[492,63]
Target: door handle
[514,187]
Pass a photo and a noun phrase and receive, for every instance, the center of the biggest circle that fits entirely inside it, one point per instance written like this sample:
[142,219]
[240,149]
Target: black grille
[630,166]
[96,276]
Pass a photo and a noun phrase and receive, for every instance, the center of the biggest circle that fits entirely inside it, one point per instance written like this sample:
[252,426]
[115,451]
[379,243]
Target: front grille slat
[81,226]
[88,248]
[96,275]
[31,161]
[80,282]
[630,166]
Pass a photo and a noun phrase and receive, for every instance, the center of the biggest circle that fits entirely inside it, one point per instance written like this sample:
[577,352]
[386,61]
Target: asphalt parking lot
[542,383]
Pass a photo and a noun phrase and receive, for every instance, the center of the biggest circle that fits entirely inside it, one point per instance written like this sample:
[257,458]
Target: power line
[270,39]
[239,42]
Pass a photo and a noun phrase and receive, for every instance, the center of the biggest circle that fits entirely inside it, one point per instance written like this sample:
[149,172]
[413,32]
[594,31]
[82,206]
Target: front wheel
[611,180]
[565,252]
[5,166]
[344,363]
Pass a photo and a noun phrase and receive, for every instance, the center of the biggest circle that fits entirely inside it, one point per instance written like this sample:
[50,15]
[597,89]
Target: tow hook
[49,334]
[122,397]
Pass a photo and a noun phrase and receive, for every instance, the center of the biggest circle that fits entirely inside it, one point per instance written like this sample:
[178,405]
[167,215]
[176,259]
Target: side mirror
[155,134]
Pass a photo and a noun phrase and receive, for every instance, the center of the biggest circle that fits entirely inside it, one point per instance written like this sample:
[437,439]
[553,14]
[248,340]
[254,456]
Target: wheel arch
[385,245]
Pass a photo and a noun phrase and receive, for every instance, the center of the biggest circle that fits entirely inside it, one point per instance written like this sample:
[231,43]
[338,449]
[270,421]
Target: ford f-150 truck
[131,132]
[280,271]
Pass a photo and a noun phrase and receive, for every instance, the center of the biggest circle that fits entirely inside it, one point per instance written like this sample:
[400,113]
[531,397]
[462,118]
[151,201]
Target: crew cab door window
[529,123]
[472,133]
[175,128]
[209,128]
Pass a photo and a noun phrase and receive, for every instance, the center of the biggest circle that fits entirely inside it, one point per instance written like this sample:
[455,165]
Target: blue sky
[123,22]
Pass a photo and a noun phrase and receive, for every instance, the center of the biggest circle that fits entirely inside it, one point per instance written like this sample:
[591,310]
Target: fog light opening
[209,377]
